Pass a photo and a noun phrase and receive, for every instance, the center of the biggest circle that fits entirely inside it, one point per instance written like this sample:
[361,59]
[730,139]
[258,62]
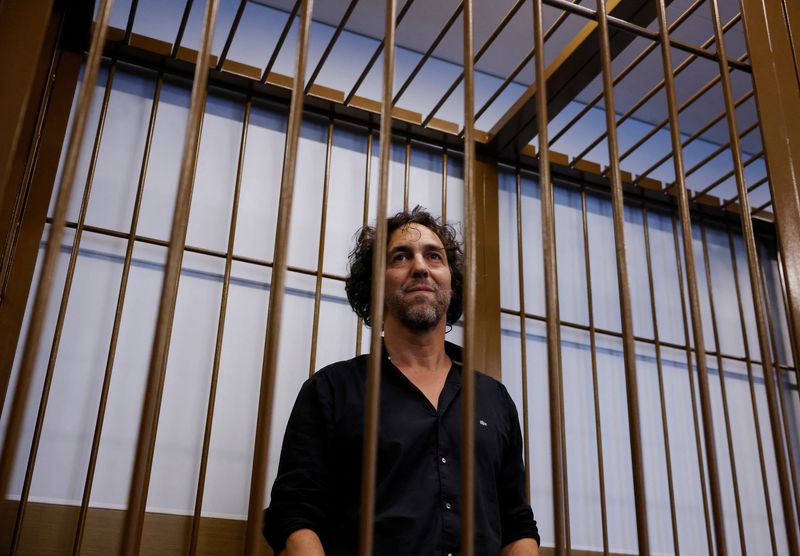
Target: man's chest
[411,432]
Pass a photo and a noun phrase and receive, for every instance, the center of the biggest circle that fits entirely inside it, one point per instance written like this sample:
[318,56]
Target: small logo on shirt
[484,423]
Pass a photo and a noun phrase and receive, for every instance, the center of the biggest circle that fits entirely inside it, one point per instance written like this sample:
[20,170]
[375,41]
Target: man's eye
[399,257]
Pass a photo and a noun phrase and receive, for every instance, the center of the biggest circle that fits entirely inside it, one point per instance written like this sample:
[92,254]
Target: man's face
[418,278]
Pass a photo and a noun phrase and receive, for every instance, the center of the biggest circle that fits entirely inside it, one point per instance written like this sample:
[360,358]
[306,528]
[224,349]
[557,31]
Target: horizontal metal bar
[181,28]
[237,19]
[694,137]
[750,189]
[199,250]
[727,175]
[484,47]
[719,150]
[655,89]
[339,28]
[642,339]
[131,17]
[340,278]
[428,53]
[281,39]
[376,54]
[633,64]
[684,105]
[644,32]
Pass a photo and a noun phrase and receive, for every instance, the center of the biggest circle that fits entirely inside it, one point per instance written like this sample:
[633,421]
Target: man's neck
[415,349]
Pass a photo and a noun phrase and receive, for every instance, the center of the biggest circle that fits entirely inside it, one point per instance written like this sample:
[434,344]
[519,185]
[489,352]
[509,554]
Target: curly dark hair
[358,284]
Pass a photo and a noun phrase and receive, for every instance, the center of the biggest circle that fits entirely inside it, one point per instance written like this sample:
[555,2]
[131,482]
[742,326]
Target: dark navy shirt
[417,509]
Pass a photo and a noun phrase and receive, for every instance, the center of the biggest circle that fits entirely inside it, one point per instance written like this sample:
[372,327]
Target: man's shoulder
[343,368]
[482,378]
[486,385]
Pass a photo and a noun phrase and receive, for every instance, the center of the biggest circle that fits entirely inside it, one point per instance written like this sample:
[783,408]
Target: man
[316,496]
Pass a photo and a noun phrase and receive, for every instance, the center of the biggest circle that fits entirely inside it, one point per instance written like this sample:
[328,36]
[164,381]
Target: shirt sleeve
[515,512]
[301,495]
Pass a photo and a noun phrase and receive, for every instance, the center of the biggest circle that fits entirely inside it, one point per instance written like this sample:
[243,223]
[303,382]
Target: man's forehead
[413,233]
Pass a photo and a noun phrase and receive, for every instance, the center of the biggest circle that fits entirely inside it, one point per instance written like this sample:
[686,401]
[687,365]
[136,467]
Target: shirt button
[447,505]
[444,460]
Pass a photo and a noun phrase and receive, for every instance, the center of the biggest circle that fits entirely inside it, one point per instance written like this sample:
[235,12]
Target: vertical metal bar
[326,180]
[691,280]
[786,418]
[470,292]
[364,219]
[223,307]
[275,309]
[339,28]
[523,336]
[662,397]
[758,299]
[234,27]
[756,420]
[62,313]
[140,478]
[444,186]
[50,260]
[554,367]
[181,28]
[773,31]
[595,383]
[692,396]
[281,39]
[112,348]
[406,173]
[372,407]
[723,393]
[629,348]
[789,321]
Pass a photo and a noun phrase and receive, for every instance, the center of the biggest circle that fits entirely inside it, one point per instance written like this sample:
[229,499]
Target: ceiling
[425,19]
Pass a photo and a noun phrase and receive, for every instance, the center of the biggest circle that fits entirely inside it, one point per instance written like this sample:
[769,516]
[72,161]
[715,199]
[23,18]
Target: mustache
[420,284]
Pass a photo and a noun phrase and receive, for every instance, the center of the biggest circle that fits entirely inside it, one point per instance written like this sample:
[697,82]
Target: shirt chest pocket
[489,442]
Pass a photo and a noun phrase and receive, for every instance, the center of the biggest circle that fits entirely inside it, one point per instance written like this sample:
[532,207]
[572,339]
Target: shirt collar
[453,351]
[452,385]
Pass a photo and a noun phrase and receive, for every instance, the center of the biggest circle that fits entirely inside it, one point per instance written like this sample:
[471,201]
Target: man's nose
[419,265]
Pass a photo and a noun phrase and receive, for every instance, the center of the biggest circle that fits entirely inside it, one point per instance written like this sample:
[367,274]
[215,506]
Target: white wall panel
[261,182]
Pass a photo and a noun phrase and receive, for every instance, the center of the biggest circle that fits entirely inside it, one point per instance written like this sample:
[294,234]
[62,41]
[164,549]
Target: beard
[420,312]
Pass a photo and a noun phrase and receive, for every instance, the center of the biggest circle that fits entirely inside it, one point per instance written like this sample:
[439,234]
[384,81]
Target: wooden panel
[778,102]
[487,321]
[23,34]
[30,232]
[49,530]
